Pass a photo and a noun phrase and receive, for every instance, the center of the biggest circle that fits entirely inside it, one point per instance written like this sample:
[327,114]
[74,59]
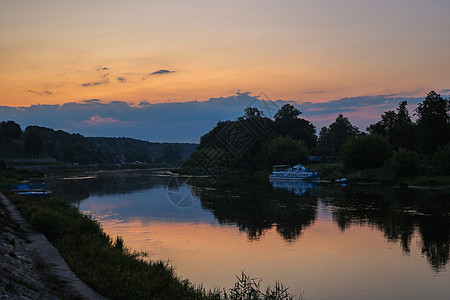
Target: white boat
[297,172]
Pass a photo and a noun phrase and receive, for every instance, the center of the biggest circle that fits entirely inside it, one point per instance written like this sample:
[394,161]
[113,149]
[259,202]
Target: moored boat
[297,172]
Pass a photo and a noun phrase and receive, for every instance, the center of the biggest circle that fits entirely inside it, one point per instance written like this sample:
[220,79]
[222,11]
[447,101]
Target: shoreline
[35,267]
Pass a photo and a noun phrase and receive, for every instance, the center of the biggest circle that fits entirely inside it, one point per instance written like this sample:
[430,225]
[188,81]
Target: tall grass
[113,270]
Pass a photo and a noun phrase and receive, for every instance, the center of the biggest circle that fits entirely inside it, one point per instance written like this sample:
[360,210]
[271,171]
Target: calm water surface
[330,242]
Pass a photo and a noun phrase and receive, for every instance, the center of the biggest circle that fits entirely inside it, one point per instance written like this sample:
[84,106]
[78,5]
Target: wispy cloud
[317,92]
[97,120]
[43,93]
[162,72]
[102,68]
[92,101]
[94,83]
[122,79]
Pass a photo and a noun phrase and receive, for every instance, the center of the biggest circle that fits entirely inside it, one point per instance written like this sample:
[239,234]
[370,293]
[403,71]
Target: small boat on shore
[297,172]
[30,189]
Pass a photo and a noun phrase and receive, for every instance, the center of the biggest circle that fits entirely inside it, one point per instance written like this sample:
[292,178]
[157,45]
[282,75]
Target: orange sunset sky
[53,52]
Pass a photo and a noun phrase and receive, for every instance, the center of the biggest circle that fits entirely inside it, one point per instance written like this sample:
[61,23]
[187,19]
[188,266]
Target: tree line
[41,142]
[255,142]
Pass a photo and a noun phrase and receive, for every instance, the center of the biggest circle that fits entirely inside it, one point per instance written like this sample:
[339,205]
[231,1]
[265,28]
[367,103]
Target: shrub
[441,160]
[405,163]
[367,151]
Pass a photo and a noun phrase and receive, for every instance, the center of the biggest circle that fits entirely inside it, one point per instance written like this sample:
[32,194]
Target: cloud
[445,91]
[92,101]
[144,103]
[188,121]
[97,120]
[122,79]
[162,72]
[316,92]
[43,93]
[94,83]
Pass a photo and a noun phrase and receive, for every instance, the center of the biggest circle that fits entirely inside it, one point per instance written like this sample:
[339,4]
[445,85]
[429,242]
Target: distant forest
[40,142]
[255,142]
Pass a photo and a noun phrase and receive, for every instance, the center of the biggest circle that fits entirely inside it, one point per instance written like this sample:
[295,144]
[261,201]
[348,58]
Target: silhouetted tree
[287,111]
[33,143]
[288,123]
[285,150]
[441,160]
[9,130]
[324,141]
[336,135]
[172,153]
[405,163]
[397,127]
[433,122]
[366,151]
[252,113]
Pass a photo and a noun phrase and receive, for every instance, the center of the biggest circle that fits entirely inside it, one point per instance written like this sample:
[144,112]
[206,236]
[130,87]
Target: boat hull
[293,178]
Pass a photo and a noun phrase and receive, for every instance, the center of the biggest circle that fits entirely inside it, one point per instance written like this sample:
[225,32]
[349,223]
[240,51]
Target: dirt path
[30,267]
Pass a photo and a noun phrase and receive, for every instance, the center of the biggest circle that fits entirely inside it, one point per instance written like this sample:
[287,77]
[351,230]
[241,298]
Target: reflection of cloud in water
[299,187]
[147,205]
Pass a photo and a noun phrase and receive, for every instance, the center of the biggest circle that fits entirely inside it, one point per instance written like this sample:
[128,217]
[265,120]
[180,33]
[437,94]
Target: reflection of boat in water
[297,172]
[299,187]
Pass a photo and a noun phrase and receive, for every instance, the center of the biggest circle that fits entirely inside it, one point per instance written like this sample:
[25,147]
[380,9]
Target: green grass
[115,271]
[329,171]
[442,181]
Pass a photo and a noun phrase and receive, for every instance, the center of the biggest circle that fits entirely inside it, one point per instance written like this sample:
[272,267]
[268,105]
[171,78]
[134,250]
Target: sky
[144,51]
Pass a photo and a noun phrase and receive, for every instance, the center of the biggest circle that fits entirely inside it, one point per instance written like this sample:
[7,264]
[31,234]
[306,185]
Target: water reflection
[290,208]
[256,208]
[299,187]
[399,214]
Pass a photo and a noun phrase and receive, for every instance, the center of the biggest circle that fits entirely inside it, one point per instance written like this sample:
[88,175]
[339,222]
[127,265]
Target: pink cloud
[97,120]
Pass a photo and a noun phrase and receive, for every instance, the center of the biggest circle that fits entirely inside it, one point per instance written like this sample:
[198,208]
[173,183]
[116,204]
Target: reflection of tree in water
[398,214]
[256,208]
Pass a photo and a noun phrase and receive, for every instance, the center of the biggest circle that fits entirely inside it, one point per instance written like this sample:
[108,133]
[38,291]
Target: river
[323,240]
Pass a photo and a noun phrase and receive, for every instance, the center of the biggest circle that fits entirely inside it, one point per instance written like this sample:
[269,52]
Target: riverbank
[30,267]
[382,175]
[113,270]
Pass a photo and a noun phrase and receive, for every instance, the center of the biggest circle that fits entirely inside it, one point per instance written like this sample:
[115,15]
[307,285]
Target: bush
[405,163]
[441,160]
[367,151]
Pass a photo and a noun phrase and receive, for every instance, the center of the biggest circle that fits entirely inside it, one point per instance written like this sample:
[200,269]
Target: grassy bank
[384,175]
[111,269]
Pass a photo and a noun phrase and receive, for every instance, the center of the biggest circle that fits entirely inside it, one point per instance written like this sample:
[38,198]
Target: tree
[9,130]
[285,150]
[366,151]
[385,126]
[405,163]
[172,153]
[433,122]
[339,131]
[287,111]
[397,127]
[33,143]
[287,123]
[324,141]
[252,113]
[441,160]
